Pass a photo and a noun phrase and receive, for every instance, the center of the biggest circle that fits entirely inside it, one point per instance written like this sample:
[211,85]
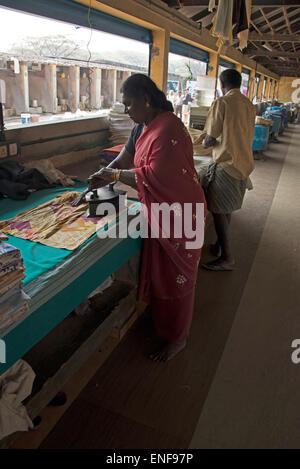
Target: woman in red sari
[163,172]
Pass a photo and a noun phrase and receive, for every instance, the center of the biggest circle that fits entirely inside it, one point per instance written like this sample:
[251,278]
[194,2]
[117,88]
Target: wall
[63,142]
[287,92]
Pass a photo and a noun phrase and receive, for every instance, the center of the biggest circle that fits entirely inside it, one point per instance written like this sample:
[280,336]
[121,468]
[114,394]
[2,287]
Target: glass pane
[51,70]
[183,84]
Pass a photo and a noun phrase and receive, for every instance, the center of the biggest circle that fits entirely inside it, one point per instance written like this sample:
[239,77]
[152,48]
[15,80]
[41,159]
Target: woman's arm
[107,175]
[123,161]
[128,177]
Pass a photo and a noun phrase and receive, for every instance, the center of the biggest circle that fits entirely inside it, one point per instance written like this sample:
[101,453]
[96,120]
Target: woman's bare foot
[168,352]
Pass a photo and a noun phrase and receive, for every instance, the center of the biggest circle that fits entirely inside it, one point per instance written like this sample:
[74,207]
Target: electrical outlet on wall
[13,149]
[9,149]
[3,151]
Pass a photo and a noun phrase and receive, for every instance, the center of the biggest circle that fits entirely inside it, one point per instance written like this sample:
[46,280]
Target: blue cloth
[261,137]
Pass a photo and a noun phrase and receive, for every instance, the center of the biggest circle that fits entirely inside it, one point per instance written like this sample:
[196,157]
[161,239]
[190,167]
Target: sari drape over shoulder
[165,174]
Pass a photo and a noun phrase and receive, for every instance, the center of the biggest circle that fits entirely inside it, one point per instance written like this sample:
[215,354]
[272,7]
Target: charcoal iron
[107,194]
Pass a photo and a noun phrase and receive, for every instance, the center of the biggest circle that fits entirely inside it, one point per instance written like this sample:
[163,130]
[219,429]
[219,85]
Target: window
[270,90]
[223,65]
[187,65]
[83,68]
[263,95]
[255,91]
[245,81]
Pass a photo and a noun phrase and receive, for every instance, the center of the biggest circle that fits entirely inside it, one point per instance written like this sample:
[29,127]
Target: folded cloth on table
[13,266]
[13,299]
[261,121]
[8,281]
[8,254]
[15,386]
[14,316]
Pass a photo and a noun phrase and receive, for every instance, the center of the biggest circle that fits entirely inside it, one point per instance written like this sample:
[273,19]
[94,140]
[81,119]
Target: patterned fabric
[224,194]
[8,254]
[3,237]
[56,223]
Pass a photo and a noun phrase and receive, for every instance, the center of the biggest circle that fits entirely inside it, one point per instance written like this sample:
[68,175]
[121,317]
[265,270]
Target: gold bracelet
[117,175]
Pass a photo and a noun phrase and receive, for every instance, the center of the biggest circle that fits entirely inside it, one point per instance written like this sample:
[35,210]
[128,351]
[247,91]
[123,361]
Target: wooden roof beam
[274,38]
[258,3]
[287,20]
[267,21]
[277,53]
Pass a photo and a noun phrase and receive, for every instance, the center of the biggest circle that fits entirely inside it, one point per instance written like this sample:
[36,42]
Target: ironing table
[58,280]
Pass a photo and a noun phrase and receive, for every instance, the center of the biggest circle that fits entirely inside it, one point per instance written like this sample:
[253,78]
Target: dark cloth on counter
[16,181]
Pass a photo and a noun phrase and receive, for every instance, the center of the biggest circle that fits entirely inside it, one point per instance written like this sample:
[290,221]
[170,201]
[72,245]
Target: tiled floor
[234,385]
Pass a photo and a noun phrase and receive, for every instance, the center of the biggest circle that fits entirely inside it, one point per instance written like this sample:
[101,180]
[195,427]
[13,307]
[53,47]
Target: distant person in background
[187,98]
[230,130]
[185,108]
[171,97]
[178,105]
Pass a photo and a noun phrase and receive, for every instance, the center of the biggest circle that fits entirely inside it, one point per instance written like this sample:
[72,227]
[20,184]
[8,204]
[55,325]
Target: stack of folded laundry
[13,300]
[120,124]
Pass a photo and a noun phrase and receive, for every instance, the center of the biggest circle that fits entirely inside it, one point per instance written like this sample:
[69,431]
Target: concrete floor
[235,385]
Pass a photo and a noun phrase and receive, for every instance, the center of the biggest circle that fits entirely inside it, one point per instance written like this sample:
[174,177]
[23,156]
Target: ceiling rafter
[287,20]
[259,3]
[274,36]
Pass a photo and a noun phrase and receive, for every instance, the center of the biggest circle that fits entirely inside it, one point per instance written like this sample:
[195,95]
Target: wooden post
[160,58]
[213,68]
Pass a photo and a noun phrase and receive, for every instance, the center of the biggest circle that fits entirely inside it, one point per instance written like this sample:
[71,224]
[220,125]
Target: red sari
[165,173]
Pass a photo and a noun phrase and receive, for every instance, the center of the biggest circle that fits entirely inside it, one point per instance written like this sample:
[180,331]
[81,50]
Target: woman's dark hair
[139,85]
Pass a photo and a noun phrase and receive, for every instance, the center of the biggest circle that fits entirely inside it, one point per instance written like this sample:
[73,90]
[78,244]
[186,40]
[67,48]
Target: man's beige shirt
[231,120]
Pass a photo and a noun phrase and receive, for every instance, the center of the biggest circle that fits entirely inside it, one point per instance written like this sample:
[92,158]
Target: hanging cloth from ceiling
[212,5]
[240,21]
[222,25]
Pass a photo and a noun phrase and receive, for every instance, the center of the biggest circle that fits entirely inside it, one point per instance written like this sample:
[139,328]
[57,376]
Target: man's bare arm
[209,142]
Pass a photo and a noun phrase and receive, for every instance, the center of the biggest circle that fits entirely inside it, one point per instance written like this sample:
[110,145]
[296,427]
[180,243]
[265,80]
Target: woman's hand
[101,178]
